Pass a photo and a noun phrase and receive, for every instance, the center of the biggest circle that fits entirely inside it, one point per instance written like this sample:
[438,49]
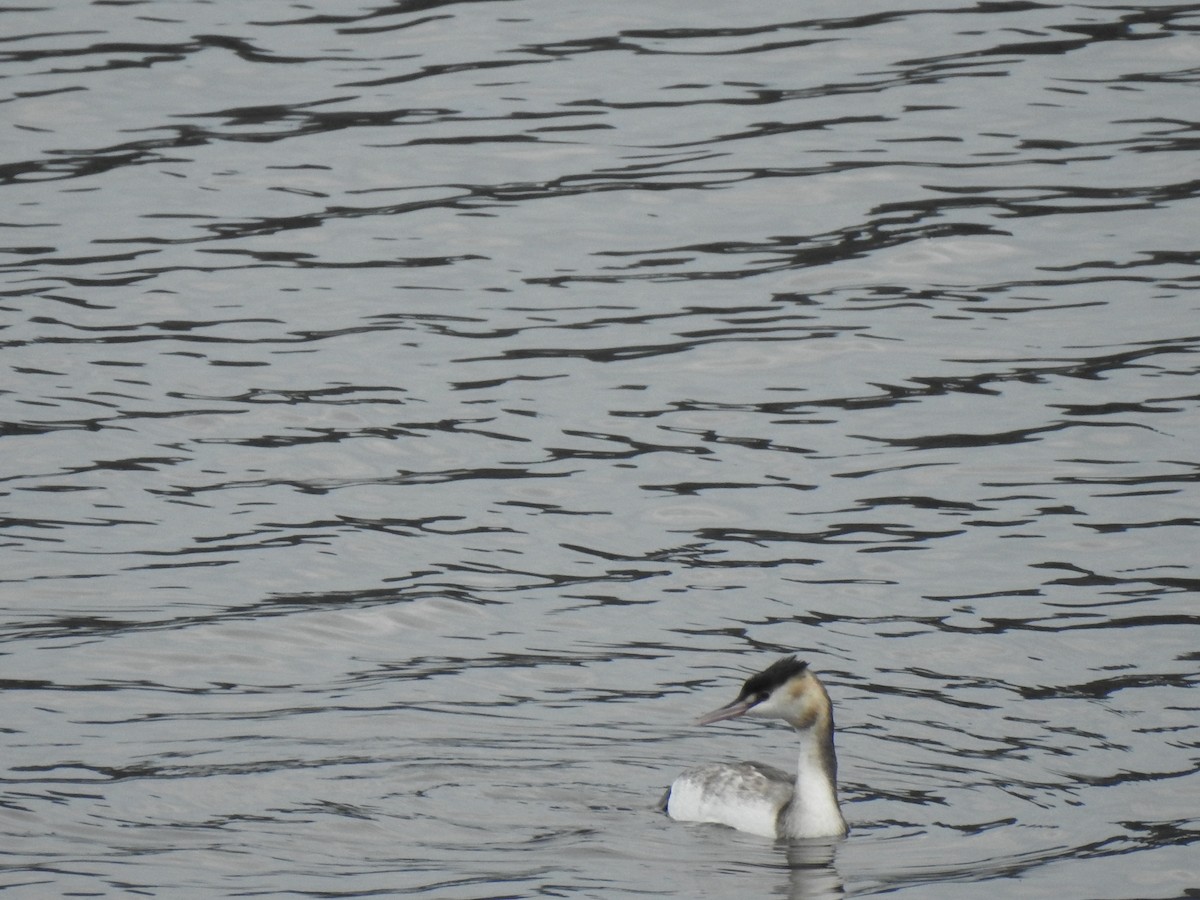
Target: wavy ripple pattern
[413,415]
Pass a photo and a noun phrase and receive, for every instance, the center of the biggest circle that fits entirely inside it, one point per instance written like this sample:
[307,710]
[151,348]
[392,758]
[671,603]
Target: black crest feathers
[773,676]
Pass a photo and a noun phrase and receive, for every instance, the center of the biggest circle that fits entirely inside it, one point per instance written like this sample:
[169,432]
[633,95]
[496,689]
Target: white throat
[814,810]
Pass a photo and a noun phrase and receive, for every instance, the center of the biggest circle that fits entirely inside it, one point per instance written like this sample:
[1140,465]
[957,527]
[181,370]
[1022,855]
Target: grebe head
[786,690]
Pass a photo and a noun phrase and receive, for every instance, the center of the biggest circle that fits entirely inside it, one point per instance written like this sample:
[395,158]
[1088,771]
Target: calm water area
[415,414]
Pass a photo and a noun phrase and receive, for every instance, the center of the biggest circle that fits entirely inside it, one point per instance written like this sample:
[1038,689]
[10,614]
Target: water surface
[415,415]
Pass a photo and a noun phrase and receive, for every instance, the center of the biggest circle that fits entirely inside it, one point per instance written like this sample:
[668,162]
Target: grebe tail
[761,799]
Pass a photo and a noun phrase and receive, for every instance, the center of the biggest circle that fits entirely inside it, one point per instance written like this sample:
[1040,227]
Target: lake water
[414,415]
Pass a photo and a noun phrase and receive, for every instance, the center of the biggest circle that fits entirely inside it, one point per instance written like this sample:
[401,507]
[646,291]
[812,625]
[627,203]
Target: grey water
[414,415]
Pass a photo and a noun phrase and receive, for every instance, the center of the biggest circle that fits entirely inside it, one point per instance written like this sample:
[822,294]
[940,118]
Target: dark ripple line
[711,436]
[1015,866]
[1142,260]
[1000,625]
[471,197]
[1048,200]
[1088,368]
[172,325]
[1146,407]
[748,320]
[695,556]
[635,447]
[101,423]
[634,351]
[1104,688]
[1118,527]
[994,439]
[620,43]
[325,486]
[445,69]
[835,535]
[793,252]
[179,336]
[1172,19]
[99,627]
[403,8]
[1081,577]
[318,435]
[154,54]
[341,395]
[1113,480]
[774,129]
[271,535]
[152,772]
[696,488]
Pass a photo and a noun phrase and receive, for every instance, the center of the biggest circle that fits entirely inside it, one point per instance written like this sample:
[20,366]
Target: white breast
[746,796]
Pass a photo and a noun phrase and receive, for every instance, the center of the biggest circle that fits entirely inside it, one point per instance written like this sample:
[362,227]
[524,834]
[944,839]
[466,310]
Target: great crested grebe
[761,799]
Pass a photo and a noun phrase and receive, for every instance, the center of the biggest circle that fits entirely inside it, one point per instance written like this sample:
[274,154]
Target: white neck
[814,810]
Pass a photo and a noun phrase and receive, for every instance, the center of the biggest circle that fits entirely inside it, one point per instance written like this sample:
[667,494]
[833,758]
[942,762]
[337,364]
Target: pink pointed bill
[732,711]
